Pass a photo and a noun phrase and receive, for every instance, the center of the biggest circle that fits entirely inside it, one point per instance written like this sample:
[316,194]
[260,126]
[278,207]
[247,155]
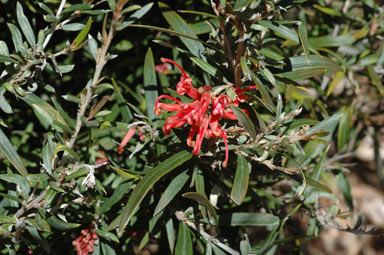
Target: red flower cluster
[85,243]
[203,114]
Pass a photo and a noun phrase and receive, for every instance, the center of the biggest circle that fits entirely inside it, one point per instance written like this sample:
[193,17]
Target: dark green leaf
[171,191]
[345,189]
[184,240]
[77,7]
[135,16]
[203,200]
[11,154]
[179,25]
[150,84]
[240,184]
[331,41]
[25,25]
[61,225]
[248,219]
[22,187]
[83,33]
[146,184]
[245,121]
[284,31]
[303,35]
[345,126]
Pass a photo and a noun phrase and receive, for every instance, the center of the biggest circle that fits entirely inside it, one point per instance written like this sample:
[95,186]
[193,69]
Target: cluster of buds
[203,114]
[85,243]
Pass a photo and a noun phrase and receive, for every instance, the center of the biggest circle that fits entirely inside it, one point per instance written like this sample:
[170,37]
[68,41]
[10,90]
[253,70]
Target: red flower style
[203,114]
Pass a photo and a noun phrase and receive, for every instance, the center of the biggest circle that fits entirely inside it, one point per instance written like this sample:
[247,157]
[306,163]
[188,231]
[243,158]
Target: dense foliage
[195,127]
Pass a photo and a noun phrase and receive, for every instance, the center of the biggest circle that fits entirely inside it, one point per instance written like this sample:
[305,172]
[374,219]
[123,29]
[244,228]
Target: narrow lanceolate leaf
[22,184]
[146,184]
[61,225]
[11,154]
[178,24]
[303,35]
[4,105]
[248,219]
[184,240]
[203,200]
[150,84]
[300,62]
[135,16]
[17,39]
[345,189]
[240,184]
[83,33]
[245,121]
[171,191]
[345,125]
[284,31]
[124,109]
[25,25]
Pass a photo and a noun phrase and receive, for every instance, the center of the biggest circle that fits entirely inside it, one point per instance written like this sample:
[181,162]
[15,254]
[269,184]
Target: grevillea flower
[202,114]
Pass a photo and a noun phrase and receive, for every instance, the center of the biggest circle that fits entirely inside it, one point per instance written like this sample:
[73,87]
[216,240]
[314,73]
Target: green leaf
[345,189]
[22,187]
[331,41]
[170,234]
[375,79]
[25,25]
[205,66]
[171,191]
[150,84]
[345,126]
[4,49]
[284,31]
[117,195]
[135,16]
[83,33]
[77,7]
[326,10]
[245,121]
[107,235]
[11,154]
[303,35]
[263,90]
[146,184]
[336,79]
[45,112]
[302,74]
[61,225]
[203,200]
[315,184]
[47,152]
[124,109]
[179,25]
[326,125]
[4,105]
[248,219]
[240,184]
[62,147]
[300,62]
[240,4]
[17,39]
[184,240]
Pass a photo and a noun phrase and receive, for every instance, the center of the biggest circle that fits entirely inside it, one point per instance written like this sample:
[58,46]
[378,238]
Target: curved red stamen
[200,136]
[248,88]
[165,60]
[191,134]
[224,136]
[126,139]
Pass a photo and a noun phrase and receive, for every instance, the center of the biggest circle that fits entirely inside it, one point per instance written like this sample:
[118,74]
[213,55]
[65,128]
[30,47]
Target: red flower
[203,114]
